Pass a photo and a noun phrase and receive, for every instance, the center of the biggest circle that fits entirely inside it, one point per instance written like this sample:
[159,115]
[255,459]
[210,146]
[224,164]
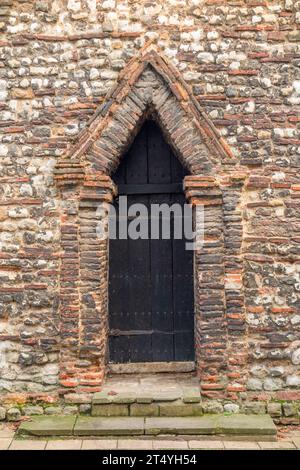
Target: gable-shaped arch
[149,85]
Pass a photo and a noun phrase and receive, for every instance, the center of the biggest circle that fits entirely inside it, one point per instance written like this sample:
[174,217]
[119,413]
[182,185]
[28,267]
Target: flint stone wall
[58,60]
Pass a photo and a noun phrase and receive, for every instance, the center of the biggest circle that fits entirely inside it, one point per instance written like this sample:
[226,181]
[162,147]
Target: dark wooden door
[151,315]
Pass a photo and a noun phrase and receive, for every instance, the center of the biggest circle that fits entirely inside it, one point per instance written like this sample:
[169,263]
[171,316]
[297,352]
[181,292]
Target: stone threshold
[151,367]
[258,427]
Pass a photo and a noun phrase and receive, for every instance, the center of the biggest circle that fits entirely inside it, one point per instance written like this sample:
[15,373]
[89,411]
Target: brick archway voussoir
[155,100]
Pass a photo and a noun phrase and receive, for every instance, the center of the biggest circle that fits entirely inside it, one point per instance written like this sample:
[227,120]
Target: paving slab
[92,426]
[29,444]
[242,445]
[99,444]
[135,444]
[206,445]
[280,445]
[296,441]
[64,444]
[170,445]
[5,442]
[48,426]
[6,432]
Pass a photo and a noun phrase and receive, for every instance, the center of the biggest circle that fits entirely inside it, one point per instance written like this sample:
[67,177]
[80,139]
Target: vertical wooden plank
[178,172]
[163,346]
[183,296]
[136,161]
[119,176]
[139,289]
[118,282]
[159,164]
[159,161]
[184,346]
[119,349]
[162,287]
[141,348]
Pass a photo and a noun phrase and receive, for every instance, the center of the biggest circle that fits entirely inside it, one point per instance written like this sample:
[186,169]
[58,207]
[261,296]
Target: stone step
[89,426]
[48,426]
[147,401]
[178,408]
[260,427]
[241,425]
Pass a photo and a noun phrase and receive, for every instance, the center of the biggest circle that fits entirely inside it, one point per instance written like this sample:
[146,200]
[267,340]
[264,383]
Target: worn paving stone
[188,409]
[280,445]
[48,426]
[144,398]
[182,425]
[142,444]
[6,432]
[154,381]
[99,426]
[102,398]
[191,395]
[169,395]
[213,424]
[144,409]
[110,409]
[124,398]
[28,444]
[296,441]
[64,444]
[135,444]
[247,424]
[242,445]
[180,445]
[206,445]
[99,444]
[5,442]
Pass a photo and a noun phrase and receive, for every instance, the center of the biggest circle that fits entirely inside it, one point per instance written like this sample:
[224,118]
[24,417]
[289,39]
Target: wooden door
[151,316]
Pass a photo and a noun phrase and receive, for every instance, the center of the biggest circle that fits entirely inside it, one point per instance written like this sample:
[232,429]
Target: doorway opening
[151,295]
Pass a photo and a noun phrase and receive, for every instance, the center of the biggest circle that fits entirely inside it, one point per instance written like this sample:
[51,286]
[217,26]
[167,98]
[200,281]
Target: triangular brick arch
[148,85]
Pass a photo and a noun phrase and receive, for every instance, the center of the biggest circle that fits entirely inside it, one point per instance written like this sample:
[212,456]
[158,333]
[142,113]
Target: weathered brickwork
[77,78]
